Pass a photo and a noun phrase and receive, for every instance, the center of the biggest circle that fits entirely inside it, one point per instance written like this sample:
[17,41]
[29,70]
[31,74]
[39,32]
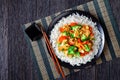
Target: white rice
[80,19]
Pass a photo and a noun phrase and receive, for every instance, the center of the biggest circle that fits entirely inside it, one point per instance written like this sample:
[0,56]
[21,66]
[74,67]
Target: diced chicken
[81,51]
[90,44]
[87,33]
[63,47]
[87,27]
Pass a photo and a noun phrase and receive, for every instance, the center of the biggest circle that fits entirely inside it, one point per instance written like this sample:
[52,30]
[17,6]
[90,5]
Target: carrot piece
[71,31]
[85,42]
[90,28]
[61,29]
[73,24]
[92,35]
[83,54]
[61,38]
[79,41]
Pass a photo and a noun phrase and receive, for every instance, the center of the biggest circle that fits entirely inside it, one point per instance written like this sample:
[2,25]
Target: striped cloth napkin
[102,11]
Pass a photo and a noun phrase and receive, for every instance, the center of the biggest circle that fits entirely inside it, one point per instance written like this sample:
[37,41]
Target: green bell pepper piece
[72,49]
[65,33]
[77,54]
[87,48]
[71,52]
[72,35]
[75,27]
[83,37]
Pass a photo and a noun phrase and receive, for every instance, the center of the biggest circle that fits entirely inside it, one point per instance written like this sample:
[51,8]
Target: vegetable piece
[85,42]
[79,41]
[83,37]
[65,33]
[72,35]
[73,24]
[90,28]
[61,29]
[83,54]
[91,36]
[72,49]
[71,52]
[88,38]
[71,31]
[61,38]
[77,54]
[87,48]
[58,44]
[75,27]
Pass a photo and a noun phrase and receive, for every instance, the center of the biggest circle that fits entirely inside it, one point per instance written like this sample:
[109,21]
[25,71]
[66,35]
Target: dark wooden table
[15,60]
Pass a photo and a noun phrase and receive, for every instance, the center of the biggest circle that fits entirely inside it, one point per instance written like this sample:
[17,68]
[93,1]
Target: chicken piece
[90,44]
[66,28]
[63,47]
[77,34]
[87,27]
[81,50]
[87,32]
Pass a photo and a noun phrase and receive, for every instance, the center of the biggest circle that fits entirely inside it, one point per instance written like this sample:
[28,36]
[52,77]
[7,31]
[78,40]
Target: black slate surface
[15,60]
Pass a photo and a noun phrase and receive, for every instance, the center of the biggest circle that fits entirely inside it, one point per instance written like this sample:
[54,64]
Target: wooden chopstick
[56,62]
[52,56]
[59,69]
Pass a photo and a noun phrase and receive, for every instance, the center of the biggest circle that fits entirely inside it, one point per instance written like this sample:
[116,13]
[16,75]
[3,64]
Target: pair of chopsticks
[52,53]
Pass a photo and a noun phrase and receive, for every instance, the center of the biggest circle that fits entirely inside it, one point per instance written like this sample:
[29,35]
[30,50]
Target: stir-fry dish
[75,40]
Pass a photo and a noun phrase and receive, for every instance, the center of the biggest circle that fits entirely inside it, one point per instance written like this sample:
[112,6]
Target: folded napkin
[102,11]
